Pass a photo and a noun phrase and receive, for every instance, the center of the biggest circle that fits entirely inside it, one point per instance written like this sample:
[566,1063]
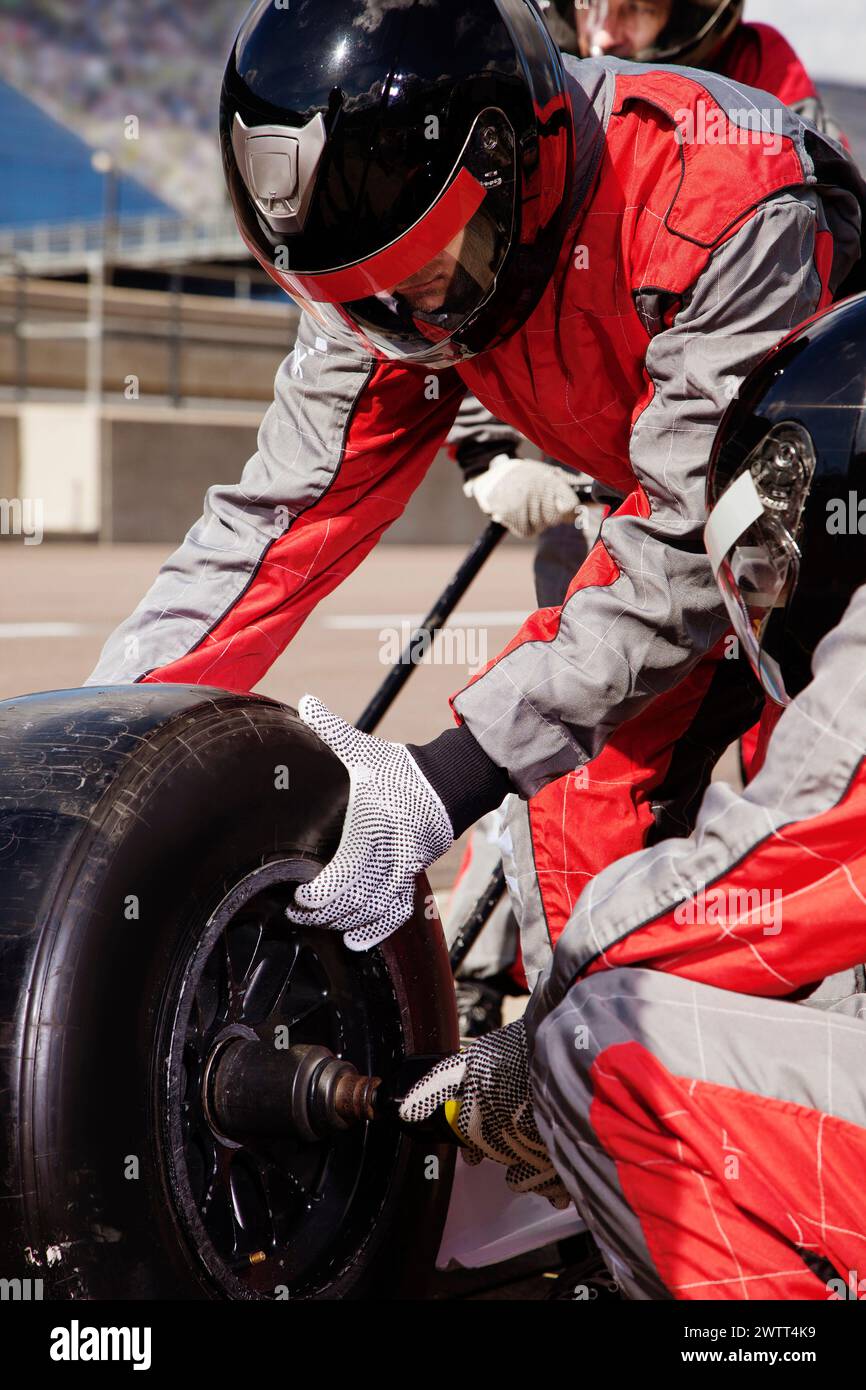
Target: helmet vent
[279,165]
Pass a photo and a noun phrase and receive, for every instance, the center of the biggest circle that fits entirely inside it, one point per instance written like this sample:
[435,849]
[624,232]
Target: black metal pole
[418,645]
[478,918]
[419,642]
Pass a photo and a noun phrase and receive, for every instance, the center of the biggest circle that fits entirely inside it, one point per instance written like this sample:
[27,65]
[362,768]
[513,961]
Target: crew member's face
[620,28]
[427,290]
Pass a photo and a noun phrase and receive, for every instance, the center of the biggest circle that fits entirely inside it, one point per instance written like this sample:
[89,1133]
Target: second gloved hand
[524,495]
[488,1087]
[395,826]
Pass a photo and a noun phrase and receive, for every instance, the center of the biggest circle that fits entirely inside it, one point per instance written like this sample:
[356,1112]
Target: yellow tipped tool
[452,1114]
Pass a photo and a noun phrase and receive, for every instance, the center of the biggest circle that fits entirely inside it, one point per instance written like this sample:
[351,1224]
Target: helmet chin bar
[463,240]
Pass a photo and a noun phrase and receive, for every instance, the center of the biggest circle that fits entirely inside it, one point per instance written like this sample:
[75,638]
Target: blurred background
[138,345]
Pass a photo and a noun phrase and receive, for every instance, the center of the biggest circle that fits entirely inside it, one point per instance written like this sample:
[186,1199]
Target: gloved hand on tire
[395,826]
[524,495]
[487,1099]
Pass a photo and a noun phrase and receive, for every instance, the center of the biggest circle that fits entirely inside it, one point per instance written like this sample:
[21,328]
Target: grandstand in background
[51,175]
[92,63]
[65,205]
[114,104]
[138,341]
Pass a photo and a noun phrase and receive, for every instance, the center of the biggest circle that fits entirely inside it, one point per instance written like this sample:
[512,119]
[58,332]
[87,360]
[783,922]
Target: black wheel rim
[275,1217]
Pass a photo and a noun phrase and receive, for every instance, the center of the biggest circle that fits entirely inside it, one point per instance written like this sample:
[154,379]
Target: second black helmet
[786,496]
[692,32]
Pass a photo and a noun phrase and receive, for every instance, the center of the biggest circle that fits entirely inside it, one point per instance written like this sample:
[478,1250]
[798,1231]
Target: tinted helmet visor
[652,31]
[415,299]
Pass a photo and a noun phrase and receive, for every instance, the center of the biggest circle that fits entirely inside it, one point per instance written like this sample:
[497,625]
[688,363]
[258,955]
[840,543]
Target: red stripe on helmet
[406,256]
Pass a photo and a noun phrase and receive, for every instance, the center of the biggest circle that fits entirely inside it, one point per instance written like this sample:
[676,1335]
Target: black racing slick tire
[150,839]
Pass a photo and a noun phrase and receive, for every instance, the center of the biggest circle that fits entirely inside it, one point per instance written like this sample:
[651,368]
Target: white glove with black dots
[395,827]
[487,1100]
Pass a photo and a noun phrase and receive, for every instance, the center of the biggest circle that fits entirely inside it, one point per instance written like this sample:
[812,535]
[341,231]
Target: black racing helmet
[693,33]
[786,496]
[696,32]
[401,167]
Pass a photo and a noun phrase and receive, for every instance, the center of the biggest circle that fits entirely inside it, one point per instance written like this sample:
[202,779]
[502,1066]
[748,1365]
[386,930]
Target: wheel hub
[251,1089]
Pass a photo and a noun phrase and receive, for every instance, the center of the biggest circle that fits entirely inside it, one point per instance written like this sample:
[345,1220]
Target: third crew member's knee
[594,1014]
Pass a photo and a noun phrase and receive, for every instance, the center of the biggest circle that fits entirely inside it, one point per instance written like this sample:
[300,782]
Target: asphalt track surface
[59,602]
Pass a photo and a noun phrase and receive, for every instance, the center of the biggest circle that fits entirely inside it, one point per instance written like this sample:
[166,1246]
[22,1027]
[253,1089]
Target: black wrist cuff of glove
[467,782]
[475,459]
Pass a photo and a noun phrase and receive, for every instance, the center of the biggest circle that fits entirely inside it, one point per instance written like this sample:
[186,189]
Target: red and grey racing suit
[544,854]
[686,258]
[709,1123]
[756,55]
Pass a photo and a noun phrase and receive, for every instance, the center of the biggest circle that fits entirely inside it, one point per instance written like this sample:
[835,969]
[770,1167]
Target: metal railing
[149,240]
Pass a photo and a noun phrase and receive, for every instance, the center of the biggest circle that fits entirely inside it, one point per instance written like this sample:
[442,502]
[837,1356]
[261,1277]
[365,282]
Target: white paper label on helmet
[736,510]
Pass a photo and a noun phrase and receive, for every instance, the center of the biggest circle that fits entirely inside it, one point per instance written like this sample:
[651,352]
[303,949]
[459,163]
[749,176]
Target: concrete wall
[9,453]
[142,474]
[58,452]
[157,466]
[176,346]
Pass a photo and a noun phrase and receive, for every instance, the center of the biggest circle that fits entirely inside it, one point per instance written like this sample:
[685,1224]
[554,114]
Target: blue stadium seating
[46,177]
